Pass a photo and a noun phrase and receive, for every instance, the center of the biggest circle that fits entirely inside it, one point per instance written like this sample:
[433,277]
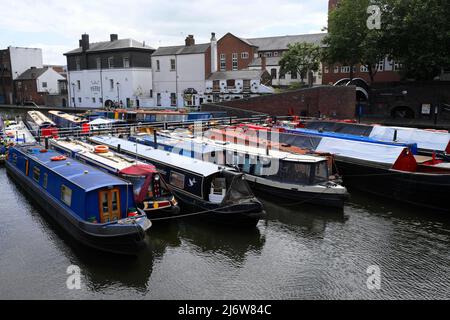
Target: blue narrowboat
[94,207]
[151,193]
[217,193]
[66,120]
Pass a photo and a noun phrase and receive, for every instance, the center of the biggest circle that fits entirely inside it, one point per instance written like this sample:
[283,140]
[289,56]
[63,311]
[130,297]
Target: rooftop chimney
[190,41]
[213,53]
[85,42]
[80,43]
[114,37]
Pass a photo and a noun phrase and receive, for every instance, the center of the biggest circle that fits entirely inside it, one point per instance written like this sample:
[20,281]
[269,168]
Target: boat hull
[333,200]
[244,214]
[128,242]
[420,189]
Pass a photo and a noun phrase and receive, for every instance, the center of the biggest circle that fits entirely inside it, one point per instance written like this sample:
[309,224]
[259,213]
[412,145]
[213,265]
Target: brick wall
[330,101]
[230,44]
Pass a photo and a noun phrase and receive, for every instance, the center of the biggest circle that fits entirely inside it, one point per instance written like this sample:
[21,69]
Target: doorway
[109,205]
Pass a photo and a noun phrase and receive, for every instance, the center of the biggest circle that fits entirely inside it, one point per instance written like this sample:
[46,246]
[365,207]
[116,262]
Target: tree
[302,58]
[418,34]
[350,41]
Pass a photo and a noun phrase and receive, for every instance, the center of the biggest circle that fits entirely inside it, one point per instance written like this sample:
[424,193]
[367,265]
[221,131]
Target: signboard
[426,108]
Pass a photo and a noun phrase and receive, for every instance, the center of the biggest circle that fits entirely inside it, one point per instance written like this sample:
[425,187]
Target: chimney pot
[189,41]
[85,42]
[114,37]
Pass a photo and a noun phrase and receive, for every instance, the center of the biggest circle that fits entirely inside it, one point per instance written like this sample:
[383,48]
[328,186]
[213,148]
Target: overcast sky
[56,25]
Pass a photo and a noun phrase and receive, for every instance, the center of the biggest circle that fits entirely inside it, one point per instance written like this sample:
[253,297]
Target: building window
[36,174]
[244,55]
[44,84]
[100,100]
[260,54]
[223,62]
[173,99]
[380,65]
[397,66]
[79,85]
[98,61]
[363,69]
[66,195]
[126,62]
[111,84]
[231,84]
[275,54]
[235,61]
[78,63]
[45,181]
[79,100]
[273,73]
[158,99]
[326,69]
[293,75]
[345,69]
[216,85]
[110,62]
[177,180]
[336,69]
[157,65]
[269,54]
[93,100]
[246,84]
[172,65]
[151,93]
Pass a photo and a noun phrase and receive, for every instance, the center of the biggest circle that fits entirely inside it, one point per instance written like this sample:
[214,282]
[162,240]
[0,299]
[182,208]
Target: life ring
[58,158]
[101,149]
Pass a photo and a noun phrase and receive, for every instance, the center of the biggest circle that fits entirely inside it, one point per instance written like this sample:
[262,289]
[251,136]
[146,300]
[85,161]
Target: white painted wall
[50,77]
[134,83]
[23,59]
[190,72]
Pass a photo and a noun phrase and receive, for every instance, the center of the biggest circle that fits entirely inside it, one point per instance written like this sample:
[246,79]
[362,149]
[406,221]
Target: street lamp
[118,92]
[73,94]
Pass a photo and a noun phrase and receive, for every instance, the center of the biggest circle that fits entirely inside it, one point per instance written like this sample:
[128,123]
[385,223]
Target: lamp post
[118,92]
[73,92]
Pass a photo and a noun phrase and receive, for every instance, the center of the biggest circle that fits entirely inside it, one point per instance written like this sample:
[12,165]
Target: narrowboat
[389,171]
[300,178]
[66,120]
[40,125]
[16,132]
[94,207]
[151,193]
[427,140]
[3,143]
[213,192]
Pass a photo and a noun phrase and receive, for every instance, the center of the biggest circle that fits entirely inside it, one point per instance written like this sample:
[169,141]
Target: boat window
[138,183]
[36,174]
[115,200]
[45,180]
[177,179]
[104,202]
[14,158]
[293,172]
[66,195]
[321,173]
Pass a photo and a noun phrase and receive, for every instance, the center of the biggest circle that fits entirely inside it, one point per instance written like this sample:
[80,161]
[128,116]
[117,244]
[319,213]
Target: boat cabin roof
[172,159]
[110,159]
[86,177]
[67,116]
[39,118]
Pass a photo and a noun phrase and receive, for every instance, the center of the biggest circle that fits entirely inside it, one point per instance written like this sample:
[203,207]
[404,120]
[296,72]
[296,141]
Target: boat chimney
[395,135]
[46,143]
[118,148]
[155,139]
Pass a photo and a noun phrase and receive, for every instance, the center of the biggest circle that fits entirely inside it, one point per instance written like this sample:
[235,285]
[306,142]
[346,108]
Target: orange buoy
[58,158]
[101,149]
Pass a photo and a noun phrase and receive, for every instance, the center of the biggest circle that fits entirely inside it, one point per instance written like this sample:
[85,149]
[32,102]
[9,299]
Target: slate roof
[179,50]
[32,73]
[112,45]
[239,74]
[281,42]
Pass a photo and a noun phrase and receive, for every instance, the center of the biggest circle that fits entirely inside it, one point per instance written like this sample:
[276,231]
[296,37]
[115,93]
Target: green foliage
[415,33]
[301,58]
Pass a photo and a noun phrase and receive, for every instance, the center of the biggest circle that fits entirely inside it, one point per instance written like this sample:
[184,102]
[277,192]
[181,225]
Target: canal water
[301,252]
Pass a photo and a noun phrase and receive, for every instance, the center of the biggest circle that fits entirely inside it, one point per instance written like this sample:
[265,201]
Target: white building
[47,79]
[116,72]
[179,74]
